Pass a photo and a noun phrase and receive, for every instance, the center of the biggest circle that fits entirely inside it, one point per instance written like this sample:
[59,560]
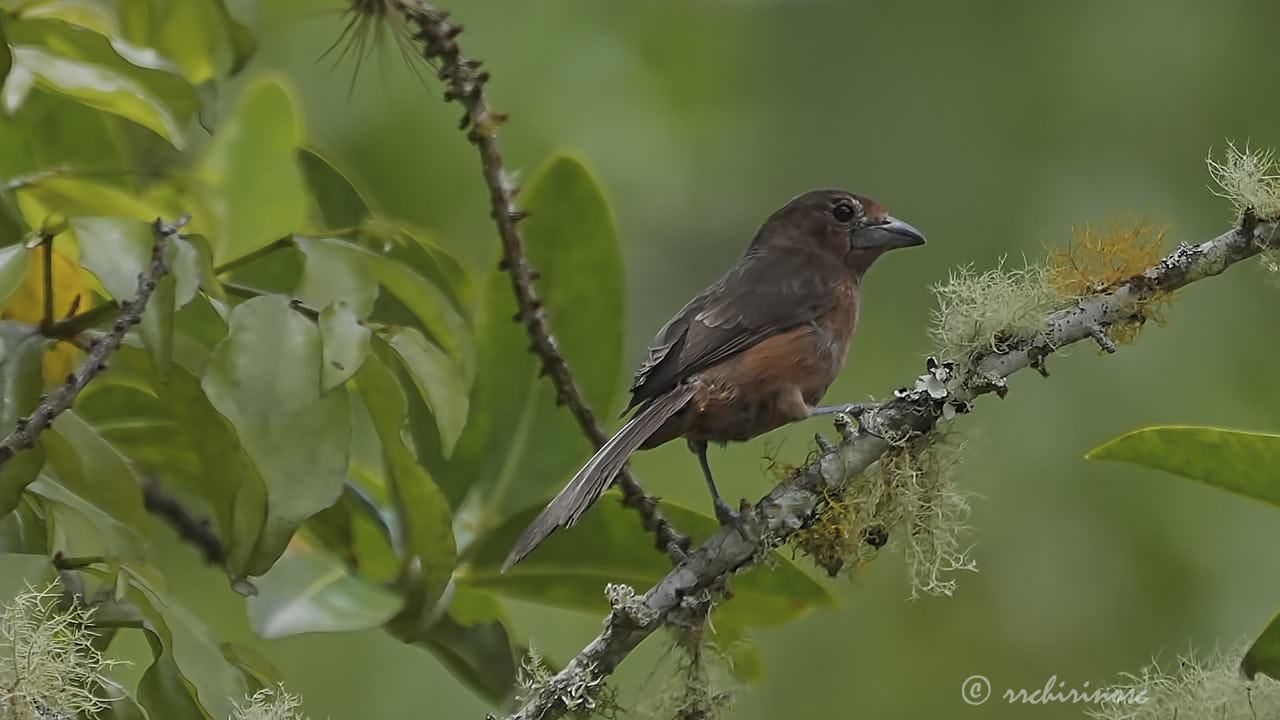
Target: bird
[756,350]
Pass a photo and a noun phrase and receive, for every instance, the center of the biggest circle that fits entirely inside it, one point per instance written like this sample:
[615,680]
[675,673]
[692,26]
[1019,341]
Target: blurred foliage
[343,401]
[1240,462]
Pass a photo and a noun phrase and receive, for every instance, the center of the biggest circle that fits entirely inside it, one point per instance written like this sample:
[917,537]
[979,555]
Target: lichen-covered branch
[793,504]
[28,429]
[465,84]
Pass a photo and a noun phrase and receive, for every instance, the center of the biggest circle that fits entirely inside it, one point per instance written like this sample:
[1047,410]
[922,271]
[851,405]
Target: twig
[466,86]
[250,293]
[46,245]
[76,324]
[28,429]
[189,528]
[791,505]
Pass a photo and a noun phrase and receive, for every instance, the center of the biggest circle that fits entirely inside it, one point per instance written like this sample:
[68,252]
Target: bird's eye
[842,212]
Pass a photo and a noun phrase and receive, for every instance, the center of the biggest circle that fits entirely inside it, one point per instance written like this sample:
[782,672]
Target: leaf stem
[46,243]
[261,252]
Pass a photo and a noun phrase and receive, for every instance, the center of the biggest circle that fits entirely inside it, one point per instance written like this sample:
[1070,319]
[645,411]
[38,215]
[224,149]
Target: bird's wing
[760,297]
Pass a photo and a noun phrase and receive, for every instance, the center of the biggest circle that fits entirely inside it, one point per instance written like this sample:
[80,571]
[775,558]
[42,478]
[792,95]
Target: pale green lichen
[1249,178]
[697,683]
[581,694]
[48,664]
[990,311]
[1195,689]
[909,496]
[270,704]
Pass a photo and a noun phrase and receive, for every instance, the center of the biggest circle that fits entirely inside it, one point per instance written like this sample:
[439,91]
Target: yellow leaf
[70,296]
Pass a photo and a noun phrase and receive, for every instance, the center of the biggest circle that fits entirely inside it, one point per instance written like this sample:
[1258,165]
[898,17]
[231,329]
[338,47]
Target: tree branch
[466,85]
[28,429]
[792,505]
[190,528]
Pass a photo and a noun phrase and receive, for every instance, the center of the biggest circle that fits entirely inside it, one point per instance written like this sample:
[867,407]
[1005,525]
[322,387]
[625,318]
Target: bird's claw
[728,516]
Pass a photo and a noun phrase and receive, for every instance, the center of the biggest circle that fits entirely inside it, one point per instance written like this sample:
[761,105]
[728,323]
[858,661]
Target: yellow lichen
[1095,262]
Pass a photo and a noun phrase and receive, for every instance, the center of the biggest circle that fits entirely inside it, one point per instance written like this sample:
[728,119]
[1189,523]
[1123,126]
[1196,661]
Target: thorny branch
[466,86]
[792,505]
[28,429]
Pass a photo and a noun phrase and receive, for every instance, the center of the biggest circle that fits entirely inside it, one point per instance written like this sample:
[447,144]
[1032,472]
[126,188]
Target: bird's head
[852,228]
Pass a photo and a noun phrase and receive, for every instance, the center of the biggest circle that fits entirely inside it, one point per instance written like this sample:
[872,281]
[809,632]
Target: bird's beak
[887,234]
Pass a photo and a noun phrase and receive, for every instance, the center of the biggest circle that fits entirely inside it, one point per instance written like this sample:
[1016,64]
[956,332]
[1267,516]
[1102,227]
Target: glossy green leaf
[335,271]
[252,157]
[265,379]
[92,74]
[308,591]
[53,126]
[345,341]
[571,568]
[199,36]
[18,572]
[163,692]
[21,381]
[1263,656]
[118,251]
[338,204]
[355,532]
[425,517]
[22,530]
[90,467]
[438,379]
[1241,462]
[14,261]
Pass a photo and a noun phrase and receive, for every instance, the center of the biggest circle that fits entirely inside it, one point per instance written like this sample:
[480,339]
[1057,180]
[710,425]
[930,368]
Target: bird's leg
[725,514]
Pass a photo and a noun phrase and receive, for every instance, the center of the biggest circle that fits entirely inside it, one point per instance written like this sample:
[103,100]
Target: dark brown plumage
[755,351]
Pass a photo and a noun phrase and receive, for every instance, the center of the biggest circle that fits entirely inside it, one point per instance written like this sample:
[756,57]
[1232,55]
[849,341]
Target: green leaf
[265,378]
[426,519]
[14,261]
[19,572]
[1240,462]
[519,441]
[573,242]
[199,36]
[223,474]
[571,568]
[52,126]
[84,67]
[90,467]
[252,157]
[257,669]
[22,530]
[346,343]
[78,528]
[355,531]
[1263,656]
[434,310]
[338,204]
[201,669]
[335,271]
[74,197]
[117,251]
[479,655]
[21,381]
[438,379]
[309,591]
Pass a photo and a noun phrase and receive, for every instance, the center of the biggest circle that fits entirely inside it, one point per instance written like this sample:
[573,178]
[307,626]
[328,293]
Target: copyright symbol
[975,689]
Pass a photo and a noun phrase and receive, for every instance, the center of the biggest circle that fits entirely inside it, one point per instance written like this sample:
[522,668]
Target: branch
[190,529]
[466,86]
[28,429]
[791,505]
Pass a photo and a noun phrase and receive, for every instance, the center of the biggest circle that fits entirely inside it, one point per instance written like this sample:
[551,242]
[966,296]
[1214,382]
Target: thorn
[1100,336]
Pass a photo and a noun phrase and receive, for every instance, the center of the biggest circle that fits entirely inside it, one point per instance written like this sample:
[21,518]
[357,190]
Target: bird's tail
[595,477]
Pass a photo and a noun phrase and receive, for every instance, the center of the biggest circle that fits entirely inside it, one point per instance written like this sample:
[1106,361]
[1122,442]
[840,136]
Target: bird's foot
[728,516]
[855,410]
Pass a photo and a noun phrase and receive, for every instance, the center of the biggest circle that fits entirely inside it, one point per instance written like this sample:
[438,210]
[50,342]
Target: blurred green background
[994,127]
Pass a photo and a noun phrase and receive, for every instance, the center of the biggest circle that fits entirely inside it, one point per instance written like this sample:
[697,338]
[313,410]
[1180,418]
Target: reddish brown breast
[769,384]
